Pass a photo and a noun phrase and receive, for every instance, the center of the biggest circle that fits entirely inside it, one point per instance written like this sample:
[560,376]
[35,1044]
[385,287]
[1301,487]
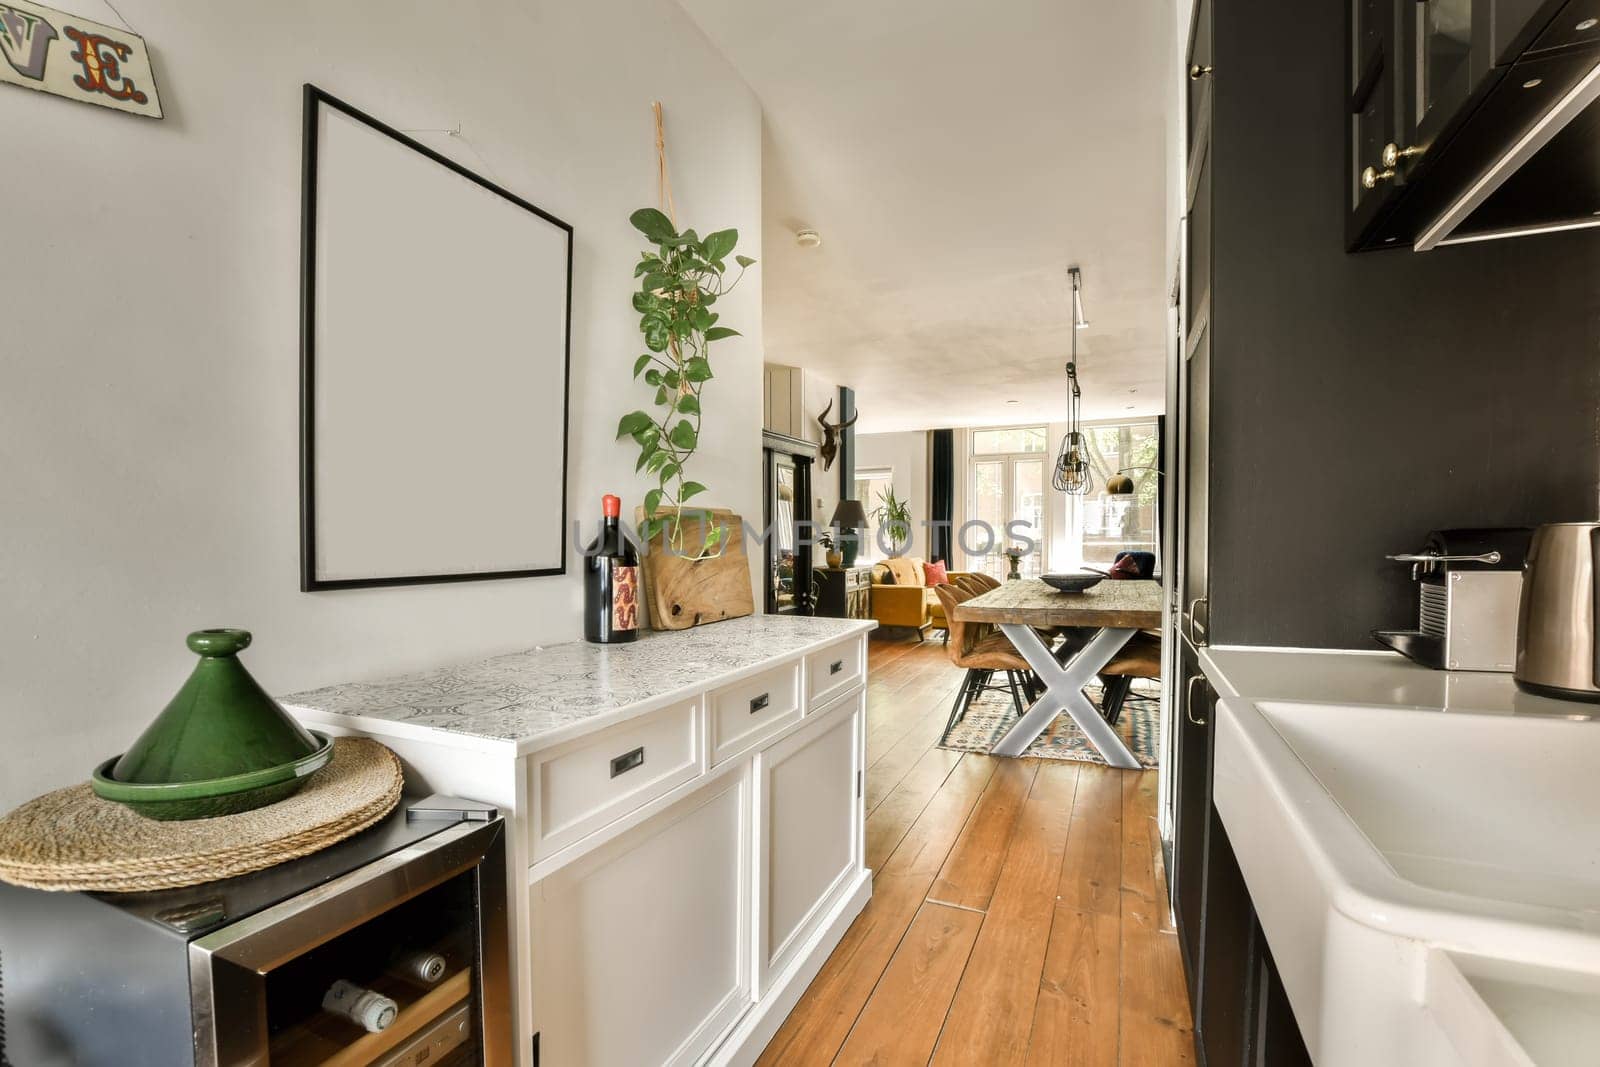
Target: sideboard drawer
[757,707]
[581,786]
[832,670]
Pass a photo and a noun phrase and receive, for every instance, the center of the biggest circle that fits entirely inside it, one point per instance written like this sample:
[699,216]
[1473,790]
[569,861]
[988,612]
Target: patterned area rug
[991,715]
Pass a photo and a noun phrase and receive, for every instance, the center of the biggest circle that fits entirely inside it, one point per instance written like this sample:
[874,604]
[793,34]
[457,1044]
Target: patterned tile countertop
[550,693]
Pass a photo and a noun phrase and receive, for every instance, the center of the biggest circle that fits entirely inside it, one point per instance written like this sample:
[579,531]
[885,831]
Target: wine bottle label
[624,597]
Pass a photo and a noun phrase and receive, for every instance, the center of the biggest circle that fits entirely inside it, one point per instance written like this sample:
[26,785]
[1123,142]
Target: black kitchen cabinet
[1375,106]
[1276,1040]
[1439,90]
[1194,380]
[1241,1010]
[1191,795]
[1227,963]
[1191,814]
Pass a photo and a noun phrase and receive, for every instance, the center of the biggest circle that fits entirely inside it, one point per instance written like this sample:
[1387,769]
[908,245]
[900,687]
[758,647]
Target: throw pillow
[1126,567]
[935,573]
[884,575]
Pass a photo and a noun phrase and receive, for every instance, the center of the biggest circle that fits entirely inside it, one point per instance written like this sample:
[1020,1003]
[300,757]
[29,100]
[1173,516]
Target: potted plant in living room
[830,545]
[894,518]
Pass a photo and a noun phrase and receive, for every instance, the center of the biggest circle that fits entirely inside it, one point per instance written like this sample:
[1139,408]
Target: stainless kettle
[1557,653]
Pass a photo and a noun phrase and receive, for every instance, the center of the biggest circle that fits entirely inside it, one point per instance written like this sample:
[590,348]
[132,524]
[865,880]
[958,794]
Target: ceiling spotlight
[1013,401]
[808,238]
[1077,298]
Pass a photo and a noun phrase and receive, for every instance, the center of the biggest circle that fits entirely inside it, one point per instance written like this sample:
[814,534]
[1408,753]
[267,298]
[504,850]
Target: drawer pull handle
[836,666]
[760,702]
[627,761]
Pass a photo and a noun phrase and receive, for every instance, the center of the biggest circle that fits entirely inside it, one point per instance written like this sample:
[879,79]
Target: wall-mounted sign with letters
[70,56]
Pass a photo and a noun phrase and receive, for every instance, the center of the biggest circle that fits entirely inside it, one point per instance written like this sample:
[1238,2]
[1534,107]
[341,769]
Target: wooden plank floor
[1018,911]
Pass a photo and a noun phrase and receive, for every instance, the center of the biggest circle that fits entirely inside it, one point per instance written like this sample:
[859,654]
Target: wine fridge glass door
[405,957]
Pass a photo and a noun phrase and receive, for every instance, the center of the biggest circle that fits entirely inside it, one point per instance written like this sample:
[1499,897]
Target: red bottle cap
[611,506]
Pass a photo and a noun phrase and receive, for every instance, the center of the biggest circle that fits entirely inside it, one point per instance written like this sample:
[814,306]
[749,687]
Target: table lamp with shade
[850,516]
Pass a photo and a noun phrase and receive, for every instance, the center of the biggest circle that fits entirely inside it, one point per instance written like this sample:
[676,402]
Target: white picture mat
[439,367]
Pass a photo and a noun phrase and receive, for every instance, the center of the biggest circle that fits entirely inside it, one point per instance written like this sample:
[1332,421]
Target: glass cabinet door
[1449,54]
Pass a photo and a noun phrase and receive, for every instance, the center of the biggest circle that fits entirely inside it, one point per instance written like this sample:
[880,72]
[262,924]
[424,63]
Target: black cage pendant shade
[1072,473]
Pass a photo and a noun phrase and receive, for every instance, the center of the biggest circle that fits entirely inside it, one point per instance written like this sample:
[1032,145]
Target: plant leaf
[719,244]
[656,335]
[697,369]
[661,397]
[653,224]
[689,404]
[682,435]
[744,261]
[634,422]
[644,457]
[717,333]
[641,363]
[689,489]
[652,500]
[668,470]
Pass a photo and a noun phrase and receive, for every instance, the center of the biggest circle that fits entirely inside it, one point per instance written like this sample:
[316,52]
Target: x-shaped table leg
[1063,691]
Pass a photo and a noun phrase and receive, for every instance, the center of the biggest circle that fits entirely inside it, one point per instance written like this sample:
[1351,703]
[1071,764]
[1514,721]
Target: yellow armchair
[906,601]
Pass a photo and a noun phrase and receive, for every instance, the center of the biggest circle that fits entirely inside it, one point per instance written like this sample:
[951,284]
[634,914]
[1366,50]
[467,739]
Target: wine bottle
[371,1011]
[610,581]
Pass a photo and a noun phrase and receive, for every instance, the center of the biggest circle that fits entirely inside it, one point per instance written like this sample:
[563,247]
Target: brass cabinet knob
[1393,154]
[1196,72]
[1372,176]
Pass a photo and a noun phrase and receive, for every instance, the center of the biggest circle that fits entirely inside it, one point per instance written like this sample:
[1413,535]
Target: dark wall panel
[1362,400]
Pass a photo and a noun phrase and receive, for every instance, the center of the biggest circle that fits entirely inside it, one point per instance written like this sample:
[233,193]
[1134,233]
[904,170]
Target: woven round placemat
[73,840]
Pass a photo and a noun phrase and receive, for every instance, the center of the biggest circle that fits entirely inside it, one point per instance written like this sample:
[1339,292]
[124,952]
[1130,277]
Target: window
[871,483]
[1006,480]
[1110,524]
[1009,439]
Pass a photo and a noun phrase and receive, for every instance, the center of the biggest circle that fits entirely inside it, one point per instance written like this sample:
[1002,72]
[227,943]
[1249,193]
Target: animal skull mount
[830,435]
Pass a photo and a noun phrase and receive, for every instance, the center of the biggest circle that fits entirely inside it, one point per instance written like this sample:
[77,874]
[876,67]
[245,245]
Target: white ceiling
[956,158]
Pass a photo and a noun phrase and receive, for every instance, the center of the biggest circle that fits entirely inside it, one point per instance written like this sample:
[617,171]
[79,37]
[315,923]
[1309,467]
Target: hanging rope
[663,178]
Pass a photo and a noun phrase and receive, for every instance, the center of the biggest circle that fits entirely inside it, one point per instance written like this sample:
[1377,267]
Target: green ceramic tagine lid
[221,723]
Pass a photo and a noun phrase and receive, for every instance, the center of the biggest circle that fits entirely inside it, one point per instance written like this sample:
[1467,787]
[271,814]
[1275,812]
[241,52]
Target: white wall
[907,454]
[148,416]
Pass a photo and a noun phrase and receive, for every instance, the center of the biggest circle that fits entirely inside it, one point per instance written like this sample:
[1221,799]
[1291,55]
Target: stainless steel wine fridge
[389,948]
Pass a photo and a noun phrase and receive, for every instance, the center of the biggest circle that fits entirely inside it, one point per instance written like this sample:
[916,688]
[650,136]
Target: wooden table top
[1116,603]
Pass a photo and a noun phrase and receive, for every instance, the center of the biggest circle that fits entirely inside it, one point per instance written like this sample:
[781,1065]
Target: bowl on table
[1076,582]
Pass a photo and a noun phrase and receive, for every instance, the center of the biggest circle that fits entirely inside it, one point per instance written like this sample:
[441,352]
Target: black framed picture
[435,352]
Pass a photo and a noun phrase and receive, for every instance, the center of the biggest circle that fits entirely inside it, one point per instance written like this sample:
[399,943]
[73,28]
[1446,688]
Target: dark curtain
[942,495]
[1161,495]
[847,446]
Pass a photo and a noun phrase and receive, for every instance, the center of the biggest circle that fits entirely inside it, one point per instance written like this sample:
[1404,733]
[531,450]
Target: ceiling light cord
[1072,472]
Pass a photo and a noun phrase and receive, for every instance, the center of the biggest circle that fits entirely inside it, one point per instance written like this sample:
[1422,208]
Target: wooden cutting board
[683,592]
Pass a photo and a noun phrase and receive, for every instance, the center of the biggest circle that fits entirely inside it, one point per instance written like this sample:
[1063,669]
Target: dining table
[1022,608]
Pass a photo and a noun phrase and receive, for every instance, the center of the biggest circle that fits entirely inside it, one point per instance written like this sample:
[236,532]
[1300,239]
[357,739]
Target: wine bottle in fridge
[611,581]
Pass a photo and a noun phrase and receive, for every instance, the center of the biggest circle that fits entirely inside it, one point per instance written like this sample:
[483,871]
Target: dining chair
[1139,658]
[983,651]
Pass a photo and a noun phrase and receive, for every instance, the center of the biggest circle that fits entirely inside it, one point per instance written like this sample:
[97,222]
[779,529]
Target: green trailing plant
[680,280]
[894,515]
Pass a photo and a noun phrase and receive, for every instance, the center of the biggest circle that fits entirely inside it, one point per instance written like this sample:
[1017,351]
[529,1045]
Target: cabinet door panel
[808,826]
[1226,971]
[1277,1042]
[640,951]
[1195,615]
[1193,803]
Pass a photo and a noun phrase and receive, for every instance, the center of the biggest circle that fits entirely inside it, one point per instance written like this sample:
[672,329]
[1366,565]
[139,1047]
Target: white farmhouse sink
[1429,882]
